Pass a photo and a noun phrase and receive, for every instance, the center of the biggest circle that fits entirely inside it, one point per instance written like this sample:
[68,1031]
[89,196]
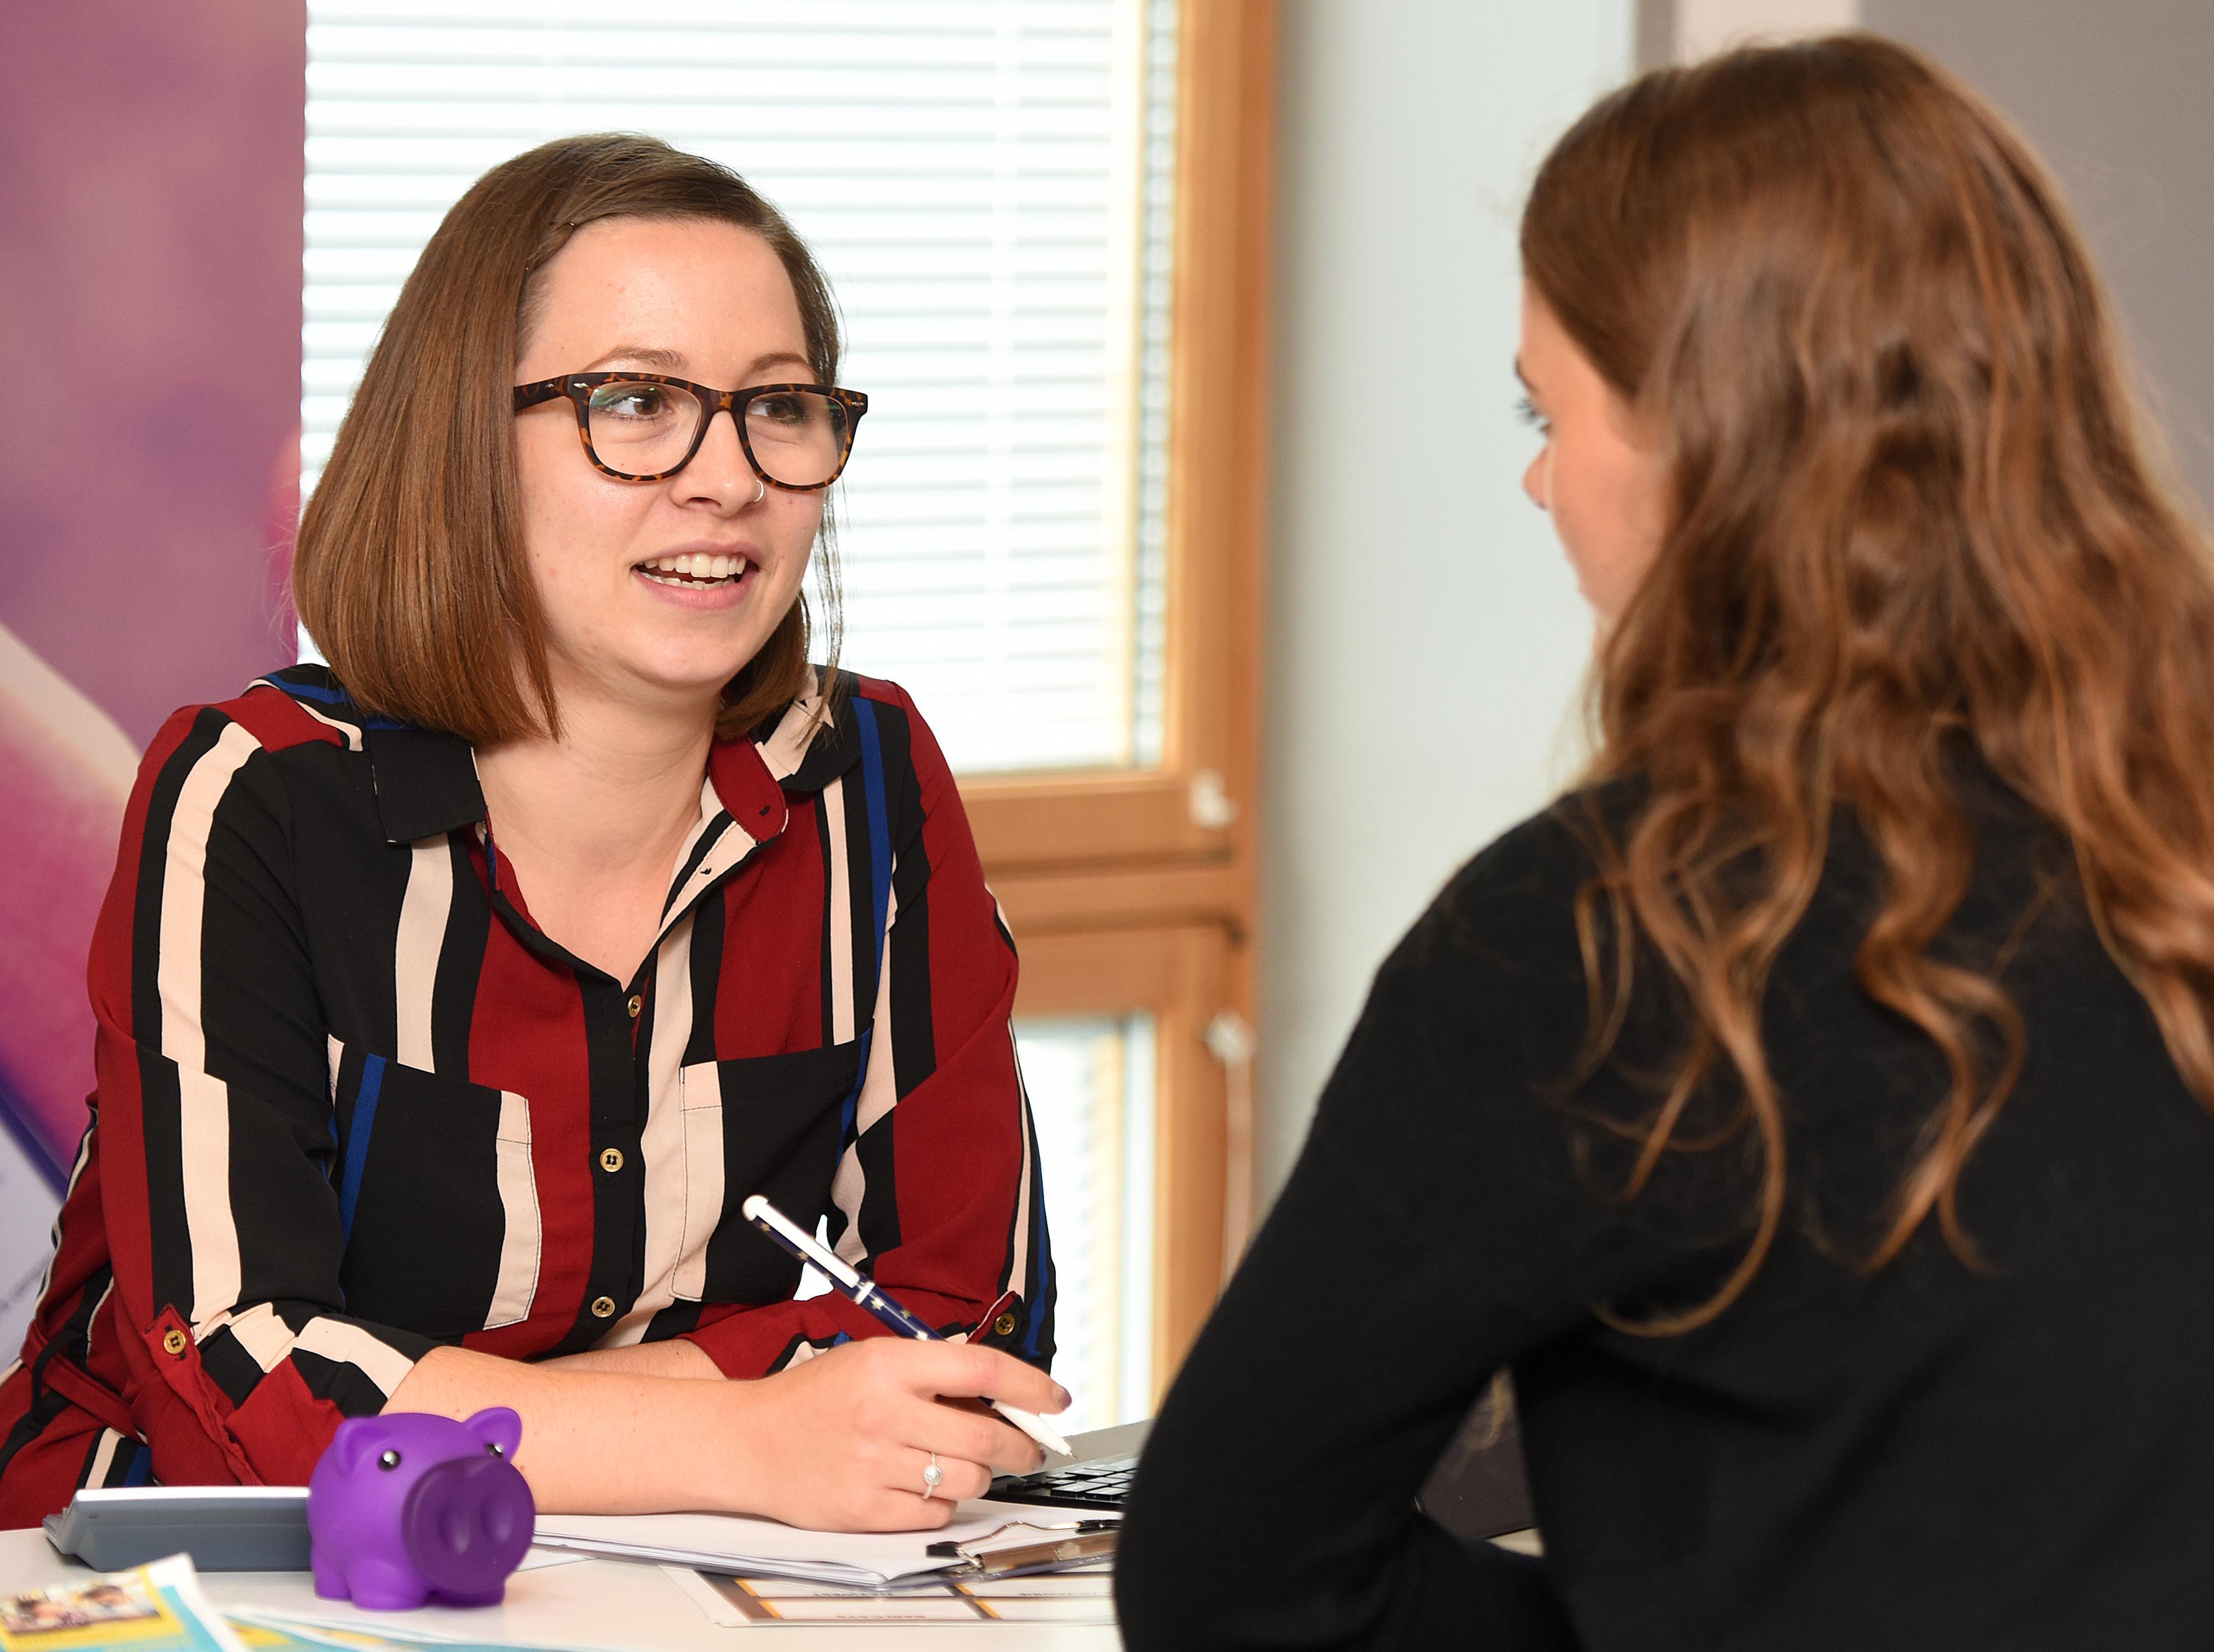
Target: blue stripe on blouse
[880,885]
[357,1153]
[880,832]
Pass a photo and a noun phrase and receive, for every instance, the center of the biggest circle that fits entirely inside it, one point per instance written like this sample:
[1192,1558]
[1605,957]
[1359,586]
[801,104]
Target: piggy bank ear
[498,1427]
[357,1439]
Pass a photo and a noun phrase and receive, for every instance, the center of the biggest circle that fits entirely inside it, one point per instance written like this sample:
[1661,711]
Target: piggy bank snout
[467,1523]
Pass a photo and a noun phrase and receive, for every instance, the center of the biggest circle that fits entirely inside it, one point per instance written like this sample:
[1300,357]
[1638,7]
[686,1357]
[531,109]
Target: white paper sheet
[744,1544]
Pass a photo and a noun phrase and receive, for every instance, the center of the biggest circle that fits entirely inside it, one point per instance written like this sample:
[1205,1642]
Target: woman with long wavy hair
[1811,1110]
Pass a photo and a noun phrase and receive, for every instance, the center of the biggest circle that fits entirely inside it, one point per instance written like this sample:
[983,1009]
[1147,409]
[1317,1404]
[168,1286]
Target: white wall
[1425,642]
[2114,97]
[1703,26]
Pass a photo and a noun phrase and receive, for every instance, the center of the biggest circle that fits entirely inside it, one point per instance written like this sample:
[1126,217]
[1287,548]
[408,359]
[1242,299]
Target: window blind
[987,184]
[1091,1085]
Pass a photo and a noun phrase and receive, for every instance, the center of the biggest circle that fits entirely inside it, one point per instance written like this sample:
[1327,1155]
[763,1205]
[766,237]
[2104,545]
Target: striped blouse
[354,1105]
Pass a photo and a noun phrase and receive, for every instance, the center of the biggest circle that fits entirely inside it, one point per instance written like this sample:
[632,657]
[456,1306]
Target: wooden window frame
[1131,890]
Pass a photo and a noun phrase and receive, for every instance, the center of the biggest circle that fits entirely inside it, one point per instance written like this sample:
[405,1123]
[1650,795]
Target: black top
[1928,1457]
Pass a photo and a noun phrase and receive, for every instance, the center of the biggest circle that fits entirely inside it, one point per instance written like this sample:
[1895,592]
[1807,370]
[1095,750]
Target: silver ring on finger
[932,1477]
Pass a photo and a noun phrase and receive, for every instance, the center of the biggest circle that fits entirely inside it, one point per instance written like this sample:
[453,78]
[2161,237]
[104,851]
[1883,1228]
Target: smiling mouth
[695,571]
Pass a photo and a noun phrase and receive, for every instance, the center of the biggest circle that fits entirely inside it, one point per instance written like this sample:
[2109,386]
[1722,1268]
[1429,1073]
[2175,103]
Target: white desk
[590,1603]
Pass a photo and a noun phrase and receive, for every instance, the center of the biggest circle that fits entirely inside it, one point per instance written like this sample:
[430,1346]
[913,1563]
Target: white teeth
[694,566]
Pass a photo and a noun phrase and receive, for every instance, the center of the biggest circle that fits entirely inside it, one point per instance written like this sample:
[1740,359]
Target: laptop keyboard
[1101,1483]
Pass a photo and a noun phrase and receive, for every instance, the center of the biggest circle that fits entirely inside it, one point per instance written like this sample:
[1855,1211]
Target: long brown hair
[1913,512]
[409,572]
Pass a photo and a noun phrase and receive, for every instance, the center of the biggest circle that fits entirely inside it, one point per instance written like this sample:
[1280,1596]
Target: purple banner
[149,308]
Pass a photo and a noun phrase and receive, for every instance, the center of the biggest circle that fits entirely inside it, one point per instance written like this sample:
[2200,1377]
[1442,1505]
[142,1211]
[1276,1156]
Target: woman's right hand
[840,1442]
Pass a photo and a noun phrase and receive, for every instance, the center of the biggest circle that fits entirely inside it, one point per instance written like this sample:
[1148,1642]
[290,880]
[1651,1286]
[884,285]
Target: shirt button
[1004,1325]
[175,1341]
[602,1307]
[611,1160]
[637,1003]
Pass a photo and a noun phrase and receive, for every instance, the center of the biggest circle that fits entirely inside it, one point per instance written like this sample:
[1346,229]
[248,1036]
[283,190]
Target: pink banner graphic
[150,307]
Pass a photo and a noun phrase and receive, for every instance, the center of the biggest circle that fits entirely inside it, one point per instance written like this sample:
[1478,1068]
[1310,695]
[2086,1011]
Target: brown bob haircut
[409,572]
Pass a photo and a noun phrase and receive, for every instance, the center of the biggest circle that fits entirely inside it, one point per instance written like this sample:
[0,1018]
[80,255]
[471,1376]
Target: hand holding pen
[866,1294]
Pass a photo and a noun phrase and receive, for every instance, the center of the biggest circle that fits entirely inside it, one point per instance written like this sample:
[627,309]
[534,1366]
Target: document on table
[743,1544]
[1084,1597]
[156,1608]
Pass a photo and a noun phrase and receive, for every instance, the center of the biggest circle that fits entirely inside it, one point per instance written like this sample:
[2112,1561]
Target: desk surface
[590,1603]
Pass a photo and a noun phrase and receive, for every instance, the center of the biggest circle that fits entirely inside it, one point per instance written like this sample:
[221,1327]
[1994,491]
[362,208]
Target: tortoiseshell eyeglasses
[645,427]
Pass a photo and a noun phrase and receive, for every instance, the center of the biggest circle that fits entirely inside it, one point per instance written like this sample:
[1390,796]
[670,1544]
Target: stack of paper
[743,1546]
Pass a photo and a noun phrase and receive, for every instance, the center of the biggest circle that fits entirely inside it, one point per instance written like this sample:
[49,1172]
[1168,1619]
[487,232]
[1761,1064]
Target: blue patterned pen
[866,1294]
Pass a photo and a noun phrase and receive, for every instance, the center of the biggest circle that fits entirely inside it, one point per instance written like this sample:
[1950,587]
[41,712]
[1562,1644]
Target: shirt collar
[426,782]
[806,747]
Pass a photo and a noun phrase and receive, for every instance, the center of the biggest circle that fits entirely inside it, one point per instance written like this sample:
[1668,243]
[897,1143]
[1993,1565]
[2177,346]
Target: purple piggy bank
[406,1508]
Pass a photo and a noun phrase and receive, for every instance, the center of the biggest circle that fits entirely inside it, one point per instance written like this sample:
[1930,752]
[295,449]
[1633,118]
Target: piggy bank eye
[389,1460]
[492,1448]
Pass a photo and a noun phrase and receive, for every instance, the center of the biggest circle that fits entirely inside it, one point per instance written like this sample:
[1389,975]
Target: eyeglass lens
[643,429]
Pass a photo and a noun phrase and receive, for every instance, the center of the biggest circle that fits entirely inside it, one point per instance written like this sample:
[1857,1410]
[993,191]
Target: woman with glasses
[1811,1110]
[452,999]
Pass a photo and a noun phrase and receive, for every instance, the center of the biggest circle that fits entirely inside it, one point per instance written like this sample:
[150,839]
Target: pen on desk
[1059,1530]
[1050,1555]
[865,1293]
